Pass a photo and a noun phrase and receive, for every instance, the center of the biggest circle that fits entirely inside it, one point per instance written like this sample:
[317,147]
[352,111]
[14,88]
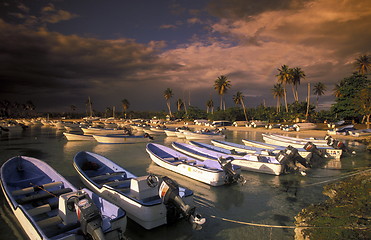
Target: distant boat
[78,137]
[257,163]
[47,206]
[139,196]
[210,172]
[204,135]
[122,138]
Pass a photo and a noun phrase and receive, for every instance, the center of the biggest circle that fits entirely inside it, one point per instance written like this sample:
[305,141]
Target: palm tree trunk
[168,106]
[308,100]
[221,102]
[284,94]
[244,110]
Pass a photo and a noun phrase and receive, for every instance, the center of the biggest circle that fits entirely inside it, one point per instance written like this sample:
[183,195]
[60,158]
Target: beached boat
[47,206]
[304,126]
[333,148]
[139,196]
[341,130]
[78,137]
[210,172]
[122,138]
[250,162]
[204,135]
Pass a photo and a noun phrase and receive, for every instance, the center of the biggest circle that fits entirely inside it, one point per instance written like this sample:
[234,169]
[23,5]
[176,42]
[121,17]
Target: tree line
[352,101]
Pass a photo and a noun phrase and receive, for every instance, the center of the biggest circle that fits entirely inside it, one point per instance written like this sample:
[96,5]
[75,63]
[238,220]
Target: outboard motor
[87,213]
[169,192]
[146,135]
[339,145]
[311,147]
[231,175]
[289,157]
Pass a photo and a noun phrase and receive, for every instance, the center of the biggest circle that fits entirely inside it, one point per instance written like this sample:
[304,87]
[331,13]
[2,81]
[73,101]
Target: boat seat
[199,165]
[43,208]
[43,195]
[36,188]
[108,175]
[117,182]
[48,222]
[191,162]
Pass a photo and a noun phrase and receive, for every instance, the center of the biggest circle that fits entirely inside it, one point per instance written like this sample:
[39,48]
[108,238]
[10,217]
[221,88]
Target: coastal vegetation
[345,215]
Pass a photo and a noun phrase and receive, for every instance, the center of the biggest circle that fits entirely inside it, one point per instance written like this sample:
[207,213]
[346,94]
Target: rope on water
[340,177]
[283,227]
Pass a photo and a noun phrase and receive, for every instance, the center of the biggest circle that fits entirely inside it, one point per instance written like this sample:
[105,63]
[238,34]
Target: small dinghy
[78,137]
[47,206]
[250,162]
[148,200]
[214,173]
[122,138]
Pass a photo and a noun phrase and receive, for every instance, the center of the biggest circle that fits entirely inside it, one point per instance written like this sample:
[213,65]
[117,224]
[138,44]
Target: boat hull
[148,214]
[212,175]
[120,139]
[40,224]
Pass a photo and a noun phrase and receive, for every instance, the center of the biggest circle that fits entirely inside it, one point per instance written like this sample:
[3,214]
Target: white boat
[102,131]
[78,137]
[330,150]
[122,138]
[247,149]
[155,130]
[170,132]
[47,206]
[304,126]
[203,135]
[257,163]
[139,196]
[208,171]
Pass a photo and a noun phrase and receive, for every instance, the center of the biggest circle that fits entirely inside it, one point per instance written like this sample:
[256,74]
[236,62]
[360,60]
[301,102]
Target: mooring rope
[44,190]
[293,227]
[338,178]
[280,226]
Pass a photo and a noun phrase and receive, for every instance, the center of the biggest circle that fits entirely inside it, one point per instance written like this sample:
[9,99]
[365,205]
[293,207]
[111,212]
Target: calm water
[264,199]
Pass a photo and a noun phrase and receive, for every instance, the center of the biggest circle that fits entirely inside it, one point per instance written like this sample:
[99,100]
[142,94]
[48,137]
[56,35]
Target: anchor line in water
[279,226]
[335,179]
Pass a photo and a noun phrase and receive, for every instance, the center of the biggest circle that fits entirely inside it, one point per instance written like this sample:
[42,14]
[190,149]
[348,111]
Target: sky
[58,53]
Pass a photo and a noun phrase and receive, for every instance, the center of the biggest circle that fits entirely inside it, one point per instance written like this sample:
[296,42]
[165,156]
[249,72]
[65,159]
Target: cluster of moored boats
[49,207]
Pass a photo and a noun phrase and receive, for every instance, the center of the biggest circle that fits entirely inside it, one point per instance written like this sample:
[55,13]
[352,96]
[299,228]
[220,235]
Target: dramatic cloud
[245,40]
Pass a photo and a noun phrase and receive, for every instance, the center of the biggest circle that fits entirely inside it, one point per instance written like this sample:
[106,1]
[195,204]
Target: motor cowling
[339,145]
[311,147]
[88,215]
[231,175]
[169,192]
[289,157]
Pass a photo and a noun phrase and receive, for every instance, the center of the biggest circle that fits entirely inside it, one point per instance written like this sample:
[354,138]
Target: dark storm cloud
[35,60]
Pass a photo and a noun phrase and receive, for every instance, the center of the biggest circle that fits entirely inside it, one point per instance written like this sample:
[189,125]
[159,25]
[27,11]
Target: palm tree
[284,77]
[363,64]
[210,105]
[337,92]
[278,92]
[168,94]
[319,89]
[238,99]
[297,74]
[125,105]
[179,104]
[221,85]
